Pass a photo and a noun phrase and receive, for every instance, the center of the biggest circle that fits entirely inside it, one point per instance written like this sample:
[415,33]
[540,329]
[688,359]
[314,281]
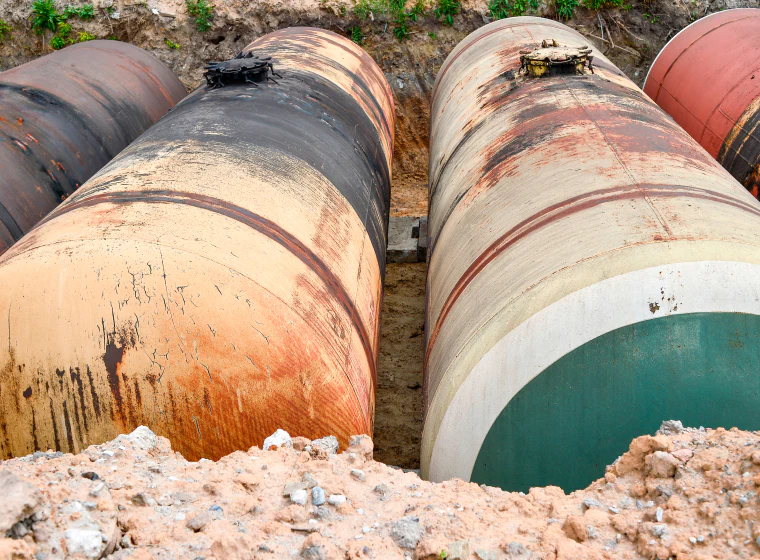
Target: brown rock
[199,521]
[300,442]
[362,446]
[12,549]
[431,548]
[683,455]
[247,481]
[641,447]
[575,528]
[19,500]
[661,464]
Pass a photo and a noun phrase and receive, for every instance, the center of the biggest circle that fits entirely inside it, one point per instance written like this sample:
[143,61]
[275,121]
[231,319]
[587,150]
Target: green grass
[5,30]
[566,8]
[203,13]
[62,36]
[600,4]
[364,8]
[401,29]
[84,36]
[446,10]
[500,9]
[86,12]
[356,35]
[44,16]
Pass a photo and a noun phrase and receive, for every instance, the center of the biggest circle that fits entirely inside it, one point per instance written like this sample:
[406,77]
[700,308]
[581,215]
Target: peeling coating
[65,115]
[221,277]
[542,187]
[708,79]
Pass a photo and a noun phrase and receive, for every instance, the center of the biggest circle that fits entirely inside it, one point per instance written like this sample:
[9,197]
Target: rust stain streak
[634,181]
[251,219]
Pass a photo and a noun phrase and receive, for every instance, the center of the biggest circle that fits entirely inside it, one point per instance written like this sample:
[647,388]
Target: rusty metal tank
[221,277]
[708,79]
[65,115]
[593,271]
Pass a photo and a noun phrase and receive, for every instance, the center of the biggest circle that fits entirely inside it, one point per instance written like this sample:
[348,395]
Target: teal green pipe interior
[581,413]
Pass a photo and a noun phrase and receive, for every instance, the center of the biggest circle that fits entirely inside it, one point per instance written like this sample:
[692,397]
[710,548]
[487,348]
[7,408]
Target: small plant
[500,9]
[599,4]
[419,8]
[57,42]
[85,12]
[401,31]
[62,37]
[171,44]
[84,36]
[432,35]
[356,35]
[203,13]
[44,16]
[5,29]
[627,7]
[447,9]
[566,8]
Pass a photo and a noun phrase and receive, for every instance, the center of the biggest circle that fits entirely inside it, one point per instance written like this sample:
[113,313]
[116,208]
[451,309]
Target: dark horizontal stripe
[741,156]
[536,124]
[305,37]
[302,116]
[10,224]
[561,210]
[260,224]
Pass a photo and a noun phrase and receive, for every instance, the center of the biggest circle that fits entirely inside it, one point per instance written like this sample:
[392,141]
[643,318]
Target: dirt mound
[681,494]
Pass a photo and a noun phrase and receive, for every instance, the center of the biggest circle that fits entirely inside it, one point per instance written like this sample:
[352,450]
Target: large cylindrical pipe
[708,79]
[220,278]
[67,114]
[593,270]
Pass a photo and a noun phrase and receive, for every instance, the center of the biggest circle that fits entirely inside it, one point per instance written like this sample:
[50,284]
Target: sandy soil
[688,495]
[398,409]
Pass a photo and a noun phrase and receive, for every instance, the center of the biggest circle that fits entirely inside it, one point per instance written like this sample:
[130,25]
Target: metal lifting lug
[552,58]
[243,68]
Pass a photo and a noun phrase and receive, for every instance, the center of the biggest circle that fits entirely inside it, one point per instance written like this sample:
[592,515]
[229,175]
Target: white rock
[336,499]
[142,438]
[329,444]
[88,542]
[280,438]
[298,497]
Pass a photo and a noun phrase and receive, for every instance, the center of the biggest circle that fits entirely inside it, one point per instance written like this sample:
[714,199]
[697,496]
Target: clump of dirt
[398,399]
[630,35]
[683,494]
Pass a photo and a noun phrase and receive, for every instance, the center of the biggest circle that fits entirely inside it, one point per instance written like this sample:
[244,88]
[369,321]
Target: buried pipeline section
[221,277]
[593,271]
[65,115]
[708,79]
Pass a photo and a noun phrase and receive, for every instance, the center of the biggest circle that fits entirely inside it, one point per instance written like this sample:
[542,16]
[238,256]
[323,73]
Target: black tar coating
[48,148]
[302,116]
[743,154]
